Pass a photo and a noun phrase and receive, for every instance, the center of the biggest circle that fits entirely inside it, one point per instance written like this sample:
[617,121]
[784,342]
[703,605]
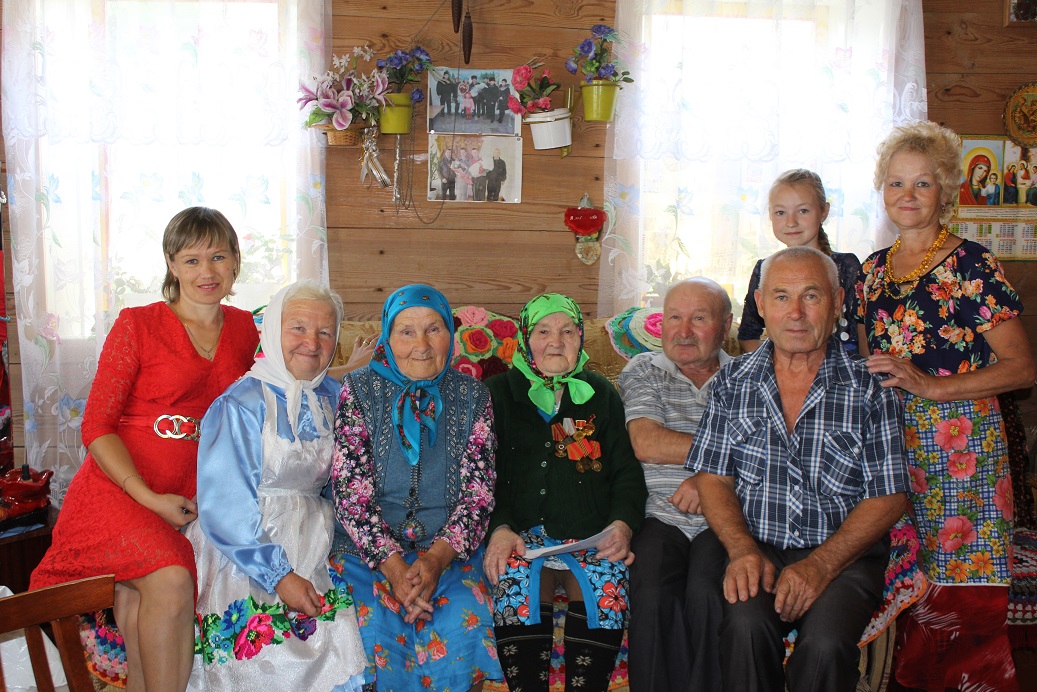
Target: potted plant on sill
[604,74]
[402,68]
[551,127]
[345,99]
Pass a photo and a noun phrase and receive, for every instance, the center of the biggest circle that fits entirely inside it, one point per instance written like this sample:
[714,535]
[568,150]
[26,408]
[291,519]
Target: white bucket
[551,129]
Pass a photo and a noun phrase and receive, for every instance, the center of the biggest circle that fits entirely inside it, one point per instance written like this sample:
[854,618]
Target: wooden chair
[61,606]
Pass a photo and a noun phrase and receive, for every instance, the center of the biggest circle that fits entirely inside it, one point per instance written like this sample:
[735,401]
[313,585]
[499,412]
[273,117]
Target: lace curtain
[118,114]
[730,94]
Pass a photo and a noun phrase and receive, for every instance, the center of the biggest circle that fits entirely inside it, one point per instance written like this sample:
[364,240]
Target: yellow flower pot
[396,114]
[599,100]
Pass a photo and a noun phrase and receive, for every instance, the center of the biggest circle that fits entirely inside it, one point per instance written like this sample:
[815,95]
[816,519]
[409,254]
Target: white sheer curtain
[116,115]
[730,94]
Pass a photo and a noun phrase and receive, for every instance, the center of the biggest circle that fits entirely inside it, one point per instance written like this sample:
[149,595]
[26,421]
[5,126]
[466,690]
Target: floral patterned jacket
[471,445]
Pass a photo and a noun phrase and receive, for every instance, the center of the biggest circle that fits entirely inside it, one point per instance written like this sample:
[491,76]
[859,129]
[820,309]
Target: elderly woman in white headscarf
[264,532]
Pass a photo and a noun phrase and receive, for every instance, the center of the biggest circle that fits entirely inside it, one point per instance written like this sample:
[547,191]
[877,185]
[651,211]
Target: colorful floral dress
[450,493]
[958,458]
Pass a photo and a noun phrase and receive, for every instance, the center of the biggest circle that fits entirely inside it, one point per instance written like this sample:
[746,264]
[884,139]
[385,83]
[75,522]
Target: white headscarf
[270,368]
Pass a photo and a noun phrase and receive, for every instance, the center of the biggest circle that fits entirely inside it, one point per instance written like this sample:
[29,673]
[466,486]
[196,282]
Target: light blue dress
[261,516]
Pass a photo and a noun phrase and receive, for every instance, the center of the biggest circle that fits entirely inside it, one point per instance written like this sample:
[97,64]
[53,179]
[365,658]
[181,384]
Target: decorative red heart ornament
[585,221]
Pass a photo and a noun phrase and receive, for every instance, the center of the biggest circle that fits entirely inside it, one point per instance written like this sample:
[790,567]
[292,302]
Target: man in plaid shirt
[801,475]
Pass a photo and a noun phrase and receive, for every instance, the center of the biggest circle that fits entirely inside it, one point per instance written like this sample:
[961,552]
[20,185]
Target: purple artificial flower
[380,87]
[600,30]
[343,117]
[422,54]
[417,96]
[571,65]
[380,63]
[586,47]
[308,96]
[398,59]
[606,70]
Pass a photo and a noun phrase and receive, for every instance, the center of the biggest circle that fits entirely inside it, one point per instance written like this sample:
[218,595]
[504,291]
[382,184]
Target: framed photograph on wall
[474,168]
[471,101]
[1020,13]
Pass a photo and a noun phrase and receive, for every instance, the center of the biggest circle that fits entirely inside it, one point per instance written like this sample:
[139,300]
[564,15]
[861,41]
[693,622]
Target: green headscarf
[543,387]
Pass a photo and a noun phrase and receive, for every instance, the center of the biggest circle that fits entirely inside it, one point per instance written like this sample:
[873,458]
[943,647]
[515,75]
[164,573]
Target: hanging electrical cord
[405,159]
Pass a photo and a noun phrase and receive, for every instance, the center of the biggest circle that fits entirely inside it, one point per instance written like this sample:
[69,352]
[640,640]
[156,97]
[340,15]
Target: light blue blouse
[230,467]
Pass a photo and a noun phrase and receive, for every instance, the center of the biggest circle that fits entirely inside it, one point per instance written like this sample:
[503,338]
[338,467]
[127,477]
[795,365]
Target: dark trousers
[448,189]
[493,186]
[675,610]
[826,657]
[664,579]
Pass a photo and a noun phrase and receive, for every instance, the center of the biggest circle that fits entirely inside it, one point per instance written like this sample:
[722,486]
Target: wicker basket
[342,138]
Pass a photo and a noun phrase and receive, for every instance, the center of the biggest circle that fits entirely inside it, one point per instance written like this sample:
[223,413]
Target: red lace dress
[148,368]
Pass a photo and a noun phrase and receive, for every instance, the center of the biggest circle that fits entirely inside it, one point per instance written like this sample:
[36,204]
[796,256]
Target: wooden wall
[973,64]
[500,255]
[496,255]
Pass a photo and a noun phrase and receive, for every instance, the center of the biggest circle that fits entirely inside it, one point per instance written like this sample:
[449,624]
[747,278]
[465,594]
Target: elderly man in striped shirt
[664,395]
[801,474]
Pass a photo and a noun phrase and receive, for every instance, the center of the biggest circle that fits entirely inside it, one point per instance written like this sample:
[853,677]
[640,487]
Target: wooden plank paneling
[495,255]
[976,42]
[970,103]
[493,45]
[535,13]
[367,265]
[545,197]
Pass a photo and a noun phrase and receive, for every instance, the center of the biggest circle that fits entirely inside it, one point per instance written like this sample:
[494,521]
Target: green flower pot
[599,100]
[396,115]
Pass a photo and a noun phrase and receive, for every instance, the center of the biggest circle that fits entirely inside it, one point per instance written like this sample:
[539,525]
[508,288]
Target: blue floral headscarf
[419,403]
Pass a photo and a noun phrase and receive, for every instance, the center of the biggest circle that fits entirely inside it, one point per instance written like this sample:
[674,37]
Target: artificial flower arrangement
[484,342]
[534,93]
[594,57]
[346,93]
[406,67]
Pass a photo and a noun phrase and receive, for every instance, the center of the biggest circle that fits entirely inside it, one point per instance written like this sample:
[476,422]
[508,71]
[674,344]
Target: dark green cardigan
[536,487]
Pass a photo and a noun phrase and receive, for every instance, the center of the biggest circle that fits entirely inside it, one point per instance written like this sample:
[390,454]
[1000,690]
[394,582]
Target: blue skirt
[454,651]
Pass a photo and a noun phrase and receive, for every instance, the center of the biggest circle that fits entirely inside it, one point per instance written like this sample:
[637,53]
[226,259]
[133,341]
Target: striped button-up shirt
[796,488]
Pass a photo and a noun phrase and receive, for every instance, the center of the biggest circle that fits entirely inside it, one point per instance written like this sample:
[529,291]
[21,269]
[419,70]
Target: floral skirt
[602,582]
[961,489]
[454,651]
[955,637]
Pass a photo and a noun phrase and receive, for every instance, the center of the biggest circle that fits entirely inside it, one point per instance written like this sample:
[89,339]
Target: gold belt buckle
[177,433]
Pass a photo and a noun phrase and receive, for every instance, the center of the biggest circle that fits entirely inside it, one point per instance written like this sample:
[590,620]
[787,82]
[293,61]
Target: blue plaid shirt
[797,488]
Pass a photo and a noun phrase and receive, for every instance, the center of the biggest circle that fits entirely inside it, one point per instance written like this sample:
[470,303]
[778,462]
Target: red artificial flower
[503,329]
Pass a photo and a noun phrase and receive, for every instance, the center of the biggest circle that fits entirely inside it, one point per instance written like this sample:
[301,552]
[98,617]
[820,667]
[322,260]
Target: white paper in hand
[592,542]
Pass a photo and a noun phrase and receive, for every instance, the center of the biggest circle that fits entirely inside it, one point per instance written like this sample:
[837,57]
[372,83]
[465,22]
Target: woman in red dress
[161,367]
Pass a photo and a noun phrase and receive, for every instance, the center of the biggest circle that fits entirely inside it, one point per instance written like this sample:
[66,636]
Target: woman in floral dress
[413,476]
[938,317]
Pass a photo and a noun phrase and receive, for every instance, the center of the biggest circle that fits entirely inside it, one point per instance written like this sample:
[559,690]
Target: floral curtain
[118,114]
[730,94]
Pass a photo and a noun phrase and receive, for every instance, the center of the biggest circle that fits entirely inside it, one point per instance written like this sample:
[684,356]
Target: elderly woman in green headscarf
[565,472]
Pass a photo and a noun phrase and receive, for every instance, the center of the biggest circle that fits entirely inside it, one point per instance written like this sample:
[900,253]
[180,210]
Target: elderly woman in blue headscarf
[566,471]
[413,477]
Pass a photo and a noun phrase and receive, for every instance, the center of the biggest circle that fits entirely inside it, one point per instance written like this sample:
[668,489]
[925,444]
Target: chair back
[60,606]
